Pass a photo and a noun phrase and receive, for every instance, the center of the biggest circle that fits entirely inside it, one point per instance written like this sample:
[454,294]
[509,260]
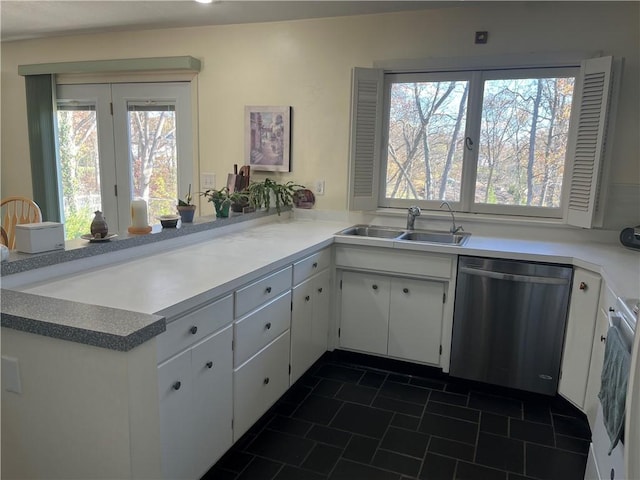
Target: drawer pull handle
[176,386]
[611,309]
[583,286]
[375,287]
[266,381]
[405,290]
[307,298]
[193,330]
[320,290]
[268,290]
[315,264]
[268,325]
[209,364]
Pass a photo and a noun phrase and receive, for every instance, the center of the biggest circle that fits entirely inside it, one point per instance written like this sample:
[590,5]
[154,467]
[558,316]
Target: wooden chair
[16,211]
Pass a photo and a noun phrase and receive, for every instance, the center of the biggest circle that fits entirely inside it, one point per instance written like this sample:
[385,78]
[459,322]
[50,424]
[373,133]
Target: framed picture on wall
[268,138]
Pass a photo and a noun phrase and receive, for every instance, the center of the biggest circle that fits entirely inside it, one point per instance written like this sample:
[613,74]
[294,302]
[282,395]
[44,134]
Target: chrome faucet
[453,228]
[411,216]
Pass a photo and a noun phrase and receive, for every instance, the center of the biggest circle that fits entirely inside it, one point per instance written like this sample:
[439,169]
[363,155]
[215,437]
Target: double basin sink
[439,237]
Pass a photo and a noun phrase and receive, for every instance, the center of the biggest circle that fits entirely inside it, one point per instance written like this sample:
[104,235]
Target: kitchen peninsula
[93,411]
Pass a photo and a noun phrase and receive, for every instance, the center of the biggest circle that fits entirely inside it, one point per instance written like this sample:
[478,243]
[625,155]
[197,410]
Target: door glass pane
[425,140]
[153,156]
[79,166]
[523,140]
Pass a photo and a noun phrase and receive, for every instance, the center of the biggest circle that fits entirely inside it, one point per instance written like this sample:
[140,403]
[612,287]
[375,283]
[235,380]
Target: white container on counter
[39,237]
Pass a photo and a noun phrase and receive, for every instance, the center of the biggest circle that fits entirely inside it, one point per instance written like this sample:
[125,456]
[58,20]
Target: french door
[117,142]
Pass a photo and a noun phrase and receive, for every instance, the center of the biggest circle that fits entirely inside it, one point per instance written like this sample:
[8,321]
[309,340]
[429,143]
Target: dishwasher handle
[512,277]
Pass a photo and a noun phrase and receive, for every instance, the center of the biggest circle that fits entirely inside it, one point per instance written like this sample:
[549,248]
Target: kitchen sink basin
[372,231]
[444,238]
[440,237]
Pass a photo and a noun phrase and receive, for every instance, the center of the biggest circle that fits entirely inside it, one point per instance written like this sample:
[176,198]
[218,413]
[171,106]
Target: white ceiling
[22,19]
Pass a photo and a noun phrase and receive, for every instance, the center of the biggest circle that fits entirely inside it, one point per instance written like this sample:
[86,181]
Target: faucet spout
[412,213]
[454,229]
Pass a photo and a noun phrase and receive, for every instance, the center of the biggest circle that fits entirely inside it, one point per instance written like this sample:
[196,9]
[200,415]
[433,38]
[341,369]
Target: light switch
[319,187]
[207,181]
[11,375]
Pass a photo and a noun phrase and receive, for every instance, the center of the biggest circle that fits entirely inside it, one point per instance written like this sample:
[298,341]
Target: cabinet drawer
[394,261]
[194,326]
[260,327]
[261,291]
[259,383]
[311,265]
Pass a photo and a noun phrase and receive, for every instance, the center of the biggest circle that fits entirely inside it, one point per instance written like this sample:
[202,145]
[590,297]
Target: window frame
[476,77]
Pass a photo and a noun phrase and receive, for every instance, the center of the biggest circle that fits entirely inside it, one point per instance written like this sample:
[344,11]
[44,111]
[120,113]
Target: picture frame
[268,138]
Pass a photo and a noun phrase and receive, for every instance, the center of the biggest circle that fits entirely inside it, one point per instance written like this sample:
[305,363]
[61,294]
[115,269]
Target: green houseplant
[185,208]
[221,200]
[261,194]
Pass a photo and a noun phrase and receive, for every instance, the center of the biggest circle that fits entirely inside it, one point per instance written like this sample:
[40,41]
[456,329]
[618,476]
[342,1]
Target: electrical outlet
[207,181]
[11,375]
[319,187]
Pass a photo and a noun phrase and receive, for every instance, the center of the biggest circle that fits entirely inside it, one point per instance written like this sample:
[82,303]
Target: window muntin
[500,150]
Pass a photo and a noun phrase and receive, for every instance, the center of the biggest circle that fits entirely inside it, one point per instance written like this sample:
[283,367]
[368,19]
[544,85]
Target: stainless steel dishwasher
[509,322]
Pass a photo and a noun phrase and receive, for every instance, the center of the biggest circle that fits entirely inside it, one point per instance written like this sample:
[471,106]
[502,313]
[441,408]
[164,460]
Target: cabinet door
[176,421]
[259,383]
[212,373]
[302,329]
[578,343]
[415,319]
[321,313]
[364,312]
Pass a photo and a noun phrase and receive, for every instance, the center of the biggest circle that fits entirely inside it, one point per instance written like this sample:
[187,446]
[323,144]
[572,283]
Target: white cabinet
[364,312]
[309,322]
[415,319]
[583,309]
[310,310]
[397,303]
[196,406]
[395,316]
[261,347]
[259,383]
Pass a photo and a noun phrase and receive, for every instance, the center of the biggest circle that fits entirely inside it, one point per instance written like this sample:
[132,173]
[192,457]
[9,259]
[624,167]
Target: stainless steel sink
[372,231]
[440,237]
[444,238]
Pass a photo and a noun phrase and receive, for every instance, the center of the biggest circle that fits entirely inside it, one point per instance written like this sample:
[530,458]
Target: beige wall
[307,64]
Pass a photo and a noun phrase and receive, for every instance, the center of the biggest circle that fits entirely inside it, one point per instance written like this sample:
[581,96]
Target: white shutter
[366,125]
[587,148]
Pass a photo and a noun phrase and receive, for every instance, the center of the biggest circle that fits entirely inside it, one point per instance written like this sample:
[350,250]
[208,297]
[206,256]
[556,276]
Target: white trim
[486,62]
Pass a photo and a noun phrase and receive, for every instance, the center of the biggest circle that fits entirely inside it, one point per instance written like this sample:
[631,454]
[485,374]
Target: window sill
[510,220]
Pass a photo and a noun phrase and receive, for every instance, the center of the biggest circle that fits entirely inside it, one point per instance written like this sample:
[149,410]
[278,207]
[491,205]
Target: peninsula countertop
[169,282]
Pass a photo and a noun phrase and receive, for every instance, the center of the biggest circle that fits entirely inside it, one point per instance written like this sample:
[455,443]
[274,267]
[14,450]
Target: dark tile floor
[353,417]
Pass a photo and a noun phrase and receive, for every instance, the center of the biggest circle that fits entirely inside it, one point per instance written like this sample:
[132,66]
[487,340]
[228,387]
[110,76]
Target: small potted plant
[263,193]
[221,200]
[186,209]
[239,201]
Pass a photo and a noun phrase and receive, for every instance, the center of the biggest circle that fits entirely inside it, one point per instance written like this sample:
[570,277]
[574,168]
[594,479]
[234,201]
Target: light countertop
[170,282]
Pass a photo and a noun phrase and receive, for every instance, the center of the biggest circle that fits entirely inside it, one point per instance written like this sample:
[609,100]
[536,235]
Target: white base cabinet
[309,323]
[395,316]
[415,319]
[364,312]
[578,344]
[259,383]
[196,406]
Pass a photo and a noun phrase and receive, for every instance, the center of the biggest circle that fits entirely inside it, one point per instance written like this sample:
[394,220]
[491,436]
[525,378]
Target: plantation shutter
[587,149]
[366,126]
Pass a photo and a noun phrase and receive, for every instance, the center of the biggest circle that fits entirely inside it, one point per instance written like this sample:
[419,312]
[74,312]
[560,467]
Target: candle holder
[139,230]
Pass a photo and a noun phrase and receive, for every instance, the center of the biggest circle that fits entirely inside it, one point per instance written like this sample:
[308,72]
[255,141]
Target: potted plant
[239,201]
[221,200]
[263,193]
[186,209]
